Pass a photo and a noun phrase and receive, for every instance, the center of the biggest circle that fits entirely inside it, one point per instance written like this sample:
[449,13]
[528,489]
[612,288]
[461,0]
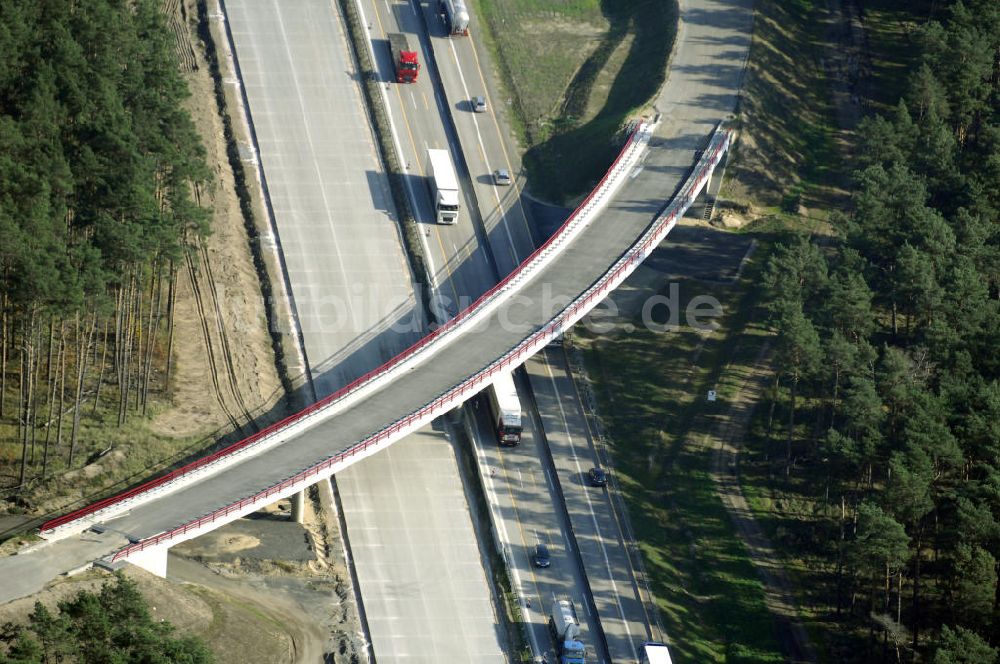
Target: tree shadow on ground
[576,155]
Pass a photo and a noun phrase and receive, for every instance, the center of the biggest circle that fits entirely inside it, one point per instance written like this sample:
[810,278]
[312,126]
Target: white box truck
[443,184]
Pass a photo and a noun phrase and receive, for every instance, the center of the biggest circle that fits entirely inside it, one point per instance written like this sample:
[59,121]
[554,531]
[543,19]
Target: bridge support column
[153,560]
[298,506]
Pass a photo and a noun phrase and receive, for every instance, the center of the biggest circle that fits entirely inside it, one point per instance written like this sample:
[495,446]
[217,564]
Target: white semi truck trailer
[443,183]
[456,16]
[566,632]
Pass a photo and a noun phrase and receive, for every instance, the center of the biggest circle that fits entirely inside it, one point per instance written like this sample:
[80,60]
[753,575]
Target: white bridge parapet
[147,552]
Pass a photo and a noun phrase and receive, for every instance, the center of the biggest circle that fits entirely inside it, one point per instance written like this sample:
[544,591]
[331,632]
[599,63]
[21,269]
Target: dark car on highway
[541,556]
[597,476]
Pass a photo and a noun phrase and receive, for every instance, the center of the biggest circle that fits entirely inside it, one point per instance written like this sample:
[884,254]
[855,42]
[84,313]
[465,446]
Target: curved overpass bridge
[605,239]
[660,171]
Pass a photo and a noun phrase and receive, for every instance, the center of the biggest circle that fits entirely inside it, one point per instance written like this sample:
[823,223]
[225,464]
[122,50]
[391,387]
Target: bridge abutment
[153,560]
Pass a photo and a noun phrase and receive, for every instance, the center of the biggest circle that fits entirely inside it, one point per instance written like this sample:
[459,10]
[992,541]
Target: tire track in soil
[227,354]
[213,365]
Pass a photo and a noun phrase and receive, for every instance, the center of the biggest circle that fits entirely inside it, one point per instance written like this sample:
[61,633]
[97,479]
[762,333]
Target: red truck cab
[403,59]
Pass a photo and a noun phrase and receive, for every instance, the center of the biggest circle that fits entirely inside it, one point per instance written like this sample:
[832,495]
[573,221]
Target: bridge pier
[298,506]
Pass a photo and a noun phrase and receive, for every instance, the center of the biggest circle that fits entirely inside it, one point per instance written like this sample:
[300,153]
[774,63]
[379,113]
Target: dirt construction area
[261,590]
[291,571]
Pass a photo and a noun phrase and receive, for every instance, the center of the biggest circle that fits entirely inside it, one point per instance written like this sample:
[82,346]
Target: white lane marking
[590,508]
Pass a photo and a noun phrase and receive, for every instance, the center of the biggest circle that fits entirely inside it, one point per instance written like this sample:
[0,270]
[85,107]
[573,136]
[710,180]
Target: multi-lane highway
[436,112]
[352,290]
[602,550]
[525,504]
[424,588]
[432,114]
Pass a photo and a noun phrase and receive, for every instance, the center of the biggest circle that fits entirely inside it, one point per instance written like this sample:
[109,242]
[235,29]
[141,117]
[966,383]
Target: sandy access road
[728,436]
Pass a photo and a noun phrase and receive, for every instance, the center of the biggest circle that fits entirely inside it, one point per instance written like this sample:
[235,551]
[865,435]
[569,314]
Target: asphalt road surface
[597,534]
[460,267]
[486,138]
[27,573]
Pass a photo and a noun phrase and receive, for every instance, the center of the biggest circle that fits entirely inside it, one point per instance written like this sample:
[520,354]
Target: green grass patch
[575,71]
[651,390]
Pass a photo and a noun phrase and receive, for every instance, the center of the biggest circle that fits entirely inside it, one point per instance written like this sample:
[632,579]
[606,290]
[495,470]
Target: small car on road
[479,104]
[597,476]
[540,556]
[501,177]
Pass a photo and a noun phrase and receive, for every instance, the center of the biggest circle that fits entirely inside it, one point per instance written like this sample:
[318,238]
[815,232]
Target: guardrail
[580,217]
[663,224]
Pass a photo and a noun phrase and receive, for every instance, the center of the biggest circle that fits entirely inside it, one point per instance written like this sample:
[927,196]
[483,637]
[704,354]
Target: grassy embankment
[788,165]
[575,72]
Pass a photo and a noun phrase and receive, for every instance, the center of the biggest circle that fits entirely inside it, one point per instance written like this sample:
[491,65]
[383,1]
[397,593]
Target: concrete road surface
[415,551]
[350,281]
[351,287]
[414,594]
